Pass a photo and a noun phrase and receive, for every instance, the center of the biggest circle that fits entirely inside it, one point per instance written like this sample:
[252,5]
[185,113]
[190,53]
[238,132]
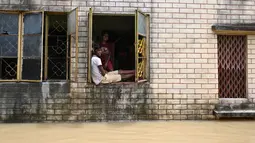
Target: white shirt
[95,73]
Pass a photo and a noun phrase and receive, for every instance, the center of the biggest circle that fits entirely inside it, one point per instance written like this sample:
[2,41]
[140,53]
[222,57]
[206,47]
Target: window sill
[233,29]
[33,82]
[58,82]
[232,100]
[119,84]
[55,81]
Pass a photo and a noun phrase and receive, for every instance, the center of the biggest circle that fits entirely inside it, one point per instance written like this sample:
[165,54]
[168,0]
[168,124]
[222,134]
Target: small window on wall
[36,45]
[129,38]
[232,61]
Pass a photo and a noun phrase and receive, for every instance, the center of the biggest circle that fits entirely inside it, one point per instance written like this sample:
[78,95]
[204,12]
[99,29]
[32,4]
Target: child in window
[100,75]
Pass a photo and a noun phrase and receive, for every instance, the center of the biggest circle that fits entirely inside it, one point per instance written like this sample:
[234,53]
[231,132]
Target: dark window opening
[121,30]
[8,45]
[56,51]
[232,66]
[8,68]
[31,69]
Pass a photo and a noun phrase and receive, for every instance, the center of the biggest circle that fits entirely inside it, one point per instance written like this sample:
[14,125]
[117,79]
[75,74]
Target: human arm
[98,63]
[106,52]
[106,63]
[101,69]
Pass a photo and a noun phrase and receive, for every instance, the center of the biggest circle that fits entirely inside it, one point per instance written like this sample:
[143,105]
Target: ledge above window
[234,29]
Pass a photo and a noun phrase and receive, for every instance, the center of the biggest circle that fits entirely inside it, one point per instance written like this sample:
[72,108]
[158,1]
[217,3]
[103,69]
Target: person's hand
[105,65]
[106,51]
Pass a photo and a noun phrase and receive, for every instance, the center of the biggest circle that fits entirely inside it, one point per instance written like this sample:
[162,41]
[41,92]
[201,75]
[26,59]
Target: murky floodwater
[139,132]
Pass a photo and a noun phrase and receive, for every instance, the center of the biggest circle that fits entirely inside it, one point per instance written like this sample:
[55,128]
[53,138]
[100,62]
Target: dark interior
[58,51]
[8,68]
[8,46]
[122,29]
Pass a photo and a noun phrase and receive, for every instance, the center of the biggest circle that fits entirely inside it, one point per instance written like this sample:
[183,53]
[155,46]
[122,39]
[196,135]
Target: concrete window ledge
[235,114]
[224,101]
[35,87]
[235,110]
[234,29]
[119,84]
[35,83]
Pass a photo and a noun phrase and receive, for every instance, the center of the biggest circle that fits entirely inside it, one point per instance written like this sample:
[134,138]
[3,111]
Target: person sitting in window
[100,75]
[108,52]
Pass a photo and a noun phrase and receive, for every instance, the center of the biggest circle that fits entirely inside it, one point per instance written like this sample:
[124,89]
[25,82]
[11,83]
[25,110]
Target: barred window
[57,52]
[232,66]
[9,23]
[37,45]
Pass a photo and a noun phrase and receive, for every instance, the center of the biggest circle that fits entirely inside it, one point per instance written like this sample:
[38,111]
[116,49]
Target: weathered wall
[30,101]
[183,64]
[27,102]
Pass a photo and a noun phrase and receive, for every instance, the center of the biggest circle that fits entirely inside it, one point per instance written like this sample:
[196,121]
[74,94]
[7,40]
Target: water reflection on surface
[134,132]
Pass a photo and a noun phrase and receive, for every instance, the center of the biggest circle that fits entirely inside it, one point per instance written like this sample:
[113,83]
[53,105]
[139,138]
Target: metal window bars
[232,52]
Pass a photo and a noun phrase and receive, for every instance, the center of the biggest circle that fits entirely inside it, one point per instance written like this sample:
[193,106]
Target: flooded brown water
[139,132]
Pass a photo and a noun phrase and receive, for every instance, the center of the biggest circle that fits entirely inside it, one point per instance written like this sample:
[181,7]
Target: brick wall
[183,83]
[251,66]
[52,102]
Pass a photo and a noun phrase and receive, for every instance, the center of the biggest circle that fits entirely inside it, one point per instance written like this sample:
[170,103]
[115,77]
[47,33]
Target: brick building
[191,56]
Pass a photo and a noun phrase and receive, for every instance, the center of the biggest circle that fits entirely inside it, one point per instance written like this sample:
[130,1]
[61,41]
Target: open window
[72,33]
[130,35]
[56,50]
[38,45]
[142,46]
[60,39]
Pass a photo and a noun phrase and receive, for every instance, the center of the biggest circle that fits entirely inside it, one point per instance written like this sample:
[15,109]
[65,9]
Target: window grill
[8,45]
[57,55]
[232,66]
[22,45]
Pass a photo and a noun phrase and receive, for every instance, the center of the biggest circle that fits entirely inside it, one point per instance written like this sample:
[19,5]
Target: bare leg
[126,76]
[126,72]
